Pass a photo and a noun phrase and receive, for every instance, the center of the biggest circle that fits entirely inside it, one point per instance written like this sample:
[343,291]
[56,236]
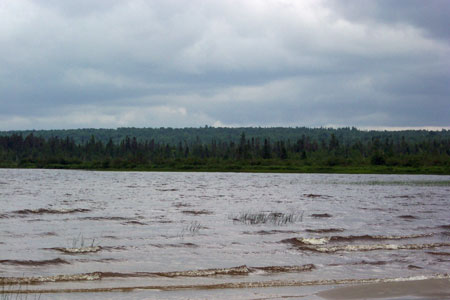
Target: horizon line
[362,128]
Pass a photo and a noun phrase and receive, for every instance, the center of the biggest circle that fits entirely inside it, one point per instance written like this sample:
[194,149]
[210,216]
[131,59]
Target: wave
[42,211]
[56,261]
[351,238]
[285,269]
[351,248]
[167,190]
[378,237]
[133,222]
[400,196]
[241,270]
[197,212]
[55,278]
[407,217]
[78,250]
[179,245]
[372,263]
[181,204]
[414,267]
[439,253]
[106,219]
[269,232]
[325,230]
[233,271]
[316,196]
[321,215]
[308,241]
[226,285]
[48,233]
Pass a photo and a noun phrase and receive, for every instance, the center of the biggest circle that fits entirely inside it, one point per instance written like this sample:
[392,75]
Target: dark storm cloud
[432,16]
[66,64]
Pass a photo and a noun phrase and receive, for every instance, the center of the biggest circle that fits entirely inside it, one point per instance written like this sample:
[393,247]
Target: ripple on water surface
[216,230]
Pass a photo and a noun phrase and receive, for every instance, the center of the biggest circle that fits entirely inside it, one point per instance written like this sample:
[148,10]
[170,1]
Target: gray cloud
[431,16]
[67,64]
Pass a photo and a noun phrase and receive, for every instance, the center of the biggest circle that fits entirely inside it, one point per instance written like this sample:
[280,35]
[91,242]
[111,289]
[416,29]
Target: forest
[247,149]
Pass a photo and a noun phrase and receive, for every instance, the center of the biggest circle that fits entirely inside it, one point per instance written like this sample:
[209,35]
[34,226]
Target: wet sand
[417,289]
[421,289]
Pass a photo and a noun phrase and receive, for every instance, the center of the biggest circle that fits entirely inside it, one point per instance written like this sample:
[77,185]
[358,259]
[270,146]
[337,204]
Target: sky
[373,64]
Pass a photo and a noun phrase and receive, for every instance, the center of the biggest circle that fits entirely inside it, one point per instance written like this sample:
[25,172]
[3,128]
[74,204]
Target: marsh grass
[193,228]
[17,293]
[80,245]
[80,242]
[274,218]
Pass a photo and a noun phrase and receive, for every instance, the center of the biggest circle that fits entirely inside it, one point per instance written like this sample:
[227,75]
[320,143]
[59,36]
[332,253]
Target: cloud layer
[224,63]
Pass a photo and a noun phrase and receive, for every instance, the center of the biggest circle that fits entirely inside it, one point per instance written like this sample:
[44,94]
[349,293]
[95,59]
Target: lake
[150,235]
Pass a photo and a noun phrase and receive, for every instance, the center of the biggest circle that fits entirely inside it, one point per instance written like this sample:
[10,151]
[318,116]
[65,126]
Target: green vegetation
[275,218]
[320,150]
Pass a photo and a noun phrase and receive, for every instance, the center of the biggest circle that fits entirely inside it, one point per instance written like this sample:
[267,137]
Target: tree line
[335,149]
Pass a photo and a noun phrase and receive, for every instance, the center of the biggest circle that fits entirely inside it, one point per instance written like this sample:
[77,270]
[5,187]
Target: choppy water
[213,235]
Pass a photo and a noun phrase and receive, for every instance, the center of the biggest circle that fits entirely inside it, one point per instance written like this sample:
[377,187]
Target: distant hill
[206,134]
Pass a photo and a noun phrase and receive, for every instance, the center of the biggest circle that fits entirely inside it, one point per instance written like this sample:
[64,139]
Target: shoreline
[434,288]
[254,169]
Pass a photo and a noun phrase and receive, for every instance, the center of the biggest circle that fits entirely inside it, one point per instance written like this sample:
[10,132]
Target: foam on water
[79,250]
[351,248]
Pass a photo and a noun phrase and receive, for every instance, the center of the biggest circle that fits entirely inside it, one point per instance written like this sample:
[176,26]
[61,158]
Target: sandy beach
[416,289]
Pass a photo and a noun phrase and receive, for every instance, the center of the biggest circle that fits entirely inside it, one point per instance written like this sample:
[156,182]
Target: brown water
[133,235]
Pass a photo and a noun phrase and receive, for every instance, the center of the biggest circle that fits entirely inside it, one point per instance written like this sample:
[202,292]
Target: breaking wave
[286,269]
[55,278]
[241,270]
[226,285]
[233,271]
[351,248]
[351,238]
[308,241]
[78,250]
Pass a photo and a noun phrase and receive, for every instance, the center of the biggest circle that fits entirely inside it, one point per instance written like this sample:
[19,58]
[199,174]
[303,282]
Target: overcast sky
[107,63]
